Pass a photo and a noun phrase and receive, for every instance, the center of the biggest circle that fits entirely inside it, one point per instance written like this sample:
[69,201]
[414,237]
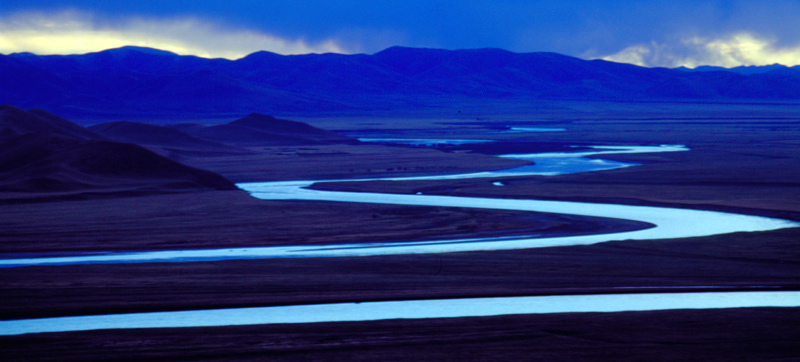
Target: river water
[668,223]
[415,309]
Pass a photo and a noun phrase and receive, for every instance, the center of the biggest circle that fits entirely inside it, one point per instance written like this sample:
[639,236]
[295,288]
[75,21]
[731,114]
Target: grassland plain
[744,159]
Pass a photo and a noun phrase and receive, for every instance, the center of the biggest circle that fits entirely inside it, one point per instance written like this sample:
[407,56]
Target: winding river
[414,309]
[667,223]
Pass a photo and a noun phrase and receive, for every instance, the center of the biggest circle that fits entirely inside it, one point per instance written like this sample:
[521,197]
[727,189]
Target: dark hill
[47,163]
[135,81]
[288,128]
[163,140]
[246,136]
[263,130]
[41,152]
[16,122]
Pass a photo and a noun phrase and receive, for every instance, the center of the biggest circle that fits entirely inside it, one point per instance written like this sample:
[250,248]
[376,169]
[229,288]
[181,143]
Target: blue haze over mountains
[134,81]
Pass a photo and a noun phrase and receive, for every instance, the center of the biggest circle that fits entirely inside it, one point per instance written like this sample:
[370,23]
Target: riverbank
[655,223]
[764,260]
[235,219]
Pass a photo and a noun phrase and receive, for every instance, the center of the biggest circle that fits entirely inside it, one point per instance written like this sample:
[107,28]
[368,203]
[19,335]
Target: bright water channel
[669,223]
[415,309]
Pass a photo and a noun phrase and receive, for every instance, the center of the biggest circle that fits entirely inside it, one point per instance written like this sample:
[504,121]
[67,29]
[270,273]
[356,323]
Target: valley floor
[742,166]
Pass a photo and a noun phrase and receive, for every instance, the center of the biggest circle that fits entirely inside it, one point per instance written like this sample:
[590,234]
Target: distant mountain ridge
[141,81]
[744,69]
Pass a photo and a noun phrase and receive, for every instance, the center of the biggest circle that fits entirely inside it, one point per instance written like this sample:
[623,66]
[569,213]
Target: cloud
[730,51]
[72,32]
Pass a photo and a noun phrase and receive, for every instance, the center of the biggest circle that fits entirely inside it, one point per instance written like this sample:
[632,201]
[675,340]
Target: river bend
[668,223]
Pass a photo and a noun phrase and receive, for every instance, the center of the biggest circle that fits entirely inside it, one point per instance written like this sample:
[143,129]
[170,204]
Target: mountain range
[144,82]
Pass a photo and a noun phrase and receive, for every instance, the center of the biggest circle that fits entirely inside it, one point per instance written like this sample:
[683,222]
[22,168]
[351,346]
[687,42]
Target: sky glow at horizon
[683,33]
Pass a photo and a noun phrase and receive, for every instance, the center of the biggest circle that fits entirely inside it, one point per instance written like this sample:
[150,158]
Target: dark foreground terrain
[717,335]
[746,160]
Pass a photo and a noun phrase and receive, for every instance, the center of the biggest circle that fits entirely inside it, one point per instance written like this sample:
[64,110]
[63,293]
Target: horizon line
[157,50]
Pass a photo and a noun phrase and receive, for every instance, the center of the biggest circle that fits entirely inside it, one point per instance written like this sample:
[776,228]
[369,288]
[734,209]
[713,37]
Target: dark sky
[645,32]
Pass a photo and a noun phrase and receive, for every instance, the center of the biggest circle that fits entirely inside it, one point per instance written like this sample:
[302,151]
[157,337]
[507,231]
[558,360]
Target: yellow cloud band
[77,33]
[732,51]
